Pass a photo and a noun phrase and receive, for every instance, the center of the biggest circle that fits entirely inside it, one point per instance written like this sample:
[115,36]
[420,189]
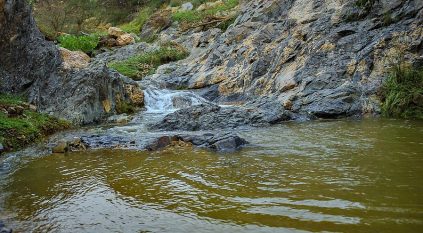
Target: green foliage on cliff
[82,43]
[403,93]
[196,16]
[139,20]
[20,126]
[139,66]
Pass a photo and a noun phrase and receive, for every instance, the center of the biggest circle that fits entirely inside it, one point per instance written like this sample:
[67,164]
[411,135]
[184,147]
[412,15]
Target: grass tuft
[403,93]
[139,66]
[23,129]
[85,44]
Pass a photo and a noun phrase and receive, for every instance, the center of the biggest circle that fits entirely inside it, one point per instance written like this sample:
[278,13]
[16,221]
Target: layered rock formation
[31,65]
[318,58]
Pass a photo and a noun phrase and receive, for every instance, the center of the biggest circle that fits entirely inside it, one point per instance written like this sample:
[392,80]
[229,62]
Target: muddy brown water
[335,176]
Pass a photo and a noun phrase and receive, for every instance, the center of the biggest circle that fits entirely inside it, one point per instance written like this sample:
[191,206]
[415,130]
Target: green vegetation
[403,93]
[138,22]
[195,3]
[387,19]
[365,4]
[139,66]
[124,107]
[20,126]
[82,43]
[196,16]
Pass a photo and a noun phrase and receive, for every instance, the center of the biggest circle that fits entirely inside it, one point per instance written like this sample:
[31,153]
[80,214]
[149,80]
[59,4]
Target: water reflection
[342,176]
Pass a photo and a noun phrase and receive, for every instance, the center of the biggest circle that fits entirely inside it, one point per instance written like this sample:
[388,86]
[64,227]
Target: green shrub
[82,43]
[403,93]
[139,66]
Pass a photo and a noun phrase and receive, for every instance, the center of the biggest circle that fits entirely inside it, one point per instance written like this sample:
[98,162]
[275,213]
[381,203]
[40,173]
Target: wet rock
[210,116]
[2,148]
[76,144]
[119,119]
[74,59]
[61,147]
[160,143]
[105,141]
[221,142]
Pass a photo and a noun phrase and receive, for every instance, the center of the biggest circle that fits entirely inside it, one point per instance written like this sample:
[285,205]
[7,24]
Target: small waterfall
[162,101]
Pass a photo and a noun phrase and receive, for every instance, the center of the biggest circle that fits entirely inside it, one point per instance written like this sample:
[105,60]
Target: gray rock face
[25,56]
[319,58]
[31,65]
[83,96]
[211,116]
[4,229]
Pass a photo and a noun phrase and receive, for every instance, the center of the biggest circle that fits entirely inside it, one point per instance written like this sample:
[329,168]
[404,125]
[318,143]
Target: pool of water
[330,176]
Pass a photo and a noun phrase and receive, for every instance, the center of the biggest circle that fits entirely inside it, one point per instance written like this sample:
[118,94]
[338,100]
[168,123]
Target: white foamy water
[164,101]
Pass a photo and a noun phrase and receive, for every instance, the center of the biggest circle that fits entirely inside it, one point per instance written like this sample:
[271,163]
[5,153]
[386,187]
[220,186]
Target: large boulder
[25,56]
[74,59]
[33,66]
[87,95]
[210,116]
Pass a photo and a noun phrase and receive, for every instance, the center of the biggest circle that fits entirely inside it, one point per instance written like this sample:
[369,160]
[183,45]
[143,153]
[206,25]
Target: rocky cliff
[318,58]
[32,66]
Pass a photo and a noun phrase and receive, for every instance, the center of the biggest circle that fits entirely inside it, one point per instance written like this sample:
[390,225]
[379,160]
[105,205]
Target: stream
[321,176]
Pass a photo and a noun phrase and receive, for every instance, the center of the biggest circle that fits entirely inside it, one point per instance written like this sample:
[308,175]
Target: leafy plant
[82,43]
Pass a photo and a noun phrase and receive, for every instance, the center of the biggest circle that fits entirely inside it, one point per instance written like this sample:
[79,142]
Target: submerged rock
[61,147]
[211,116]
[221,142]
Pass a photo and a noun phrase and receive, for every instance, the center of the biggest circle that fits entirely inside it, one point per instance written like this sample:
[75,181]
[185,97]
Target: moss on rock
[21,125]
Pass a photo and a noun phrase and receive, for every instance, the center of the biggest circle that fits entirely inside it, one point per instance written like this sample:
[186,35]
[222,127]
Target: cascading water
[165,101]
